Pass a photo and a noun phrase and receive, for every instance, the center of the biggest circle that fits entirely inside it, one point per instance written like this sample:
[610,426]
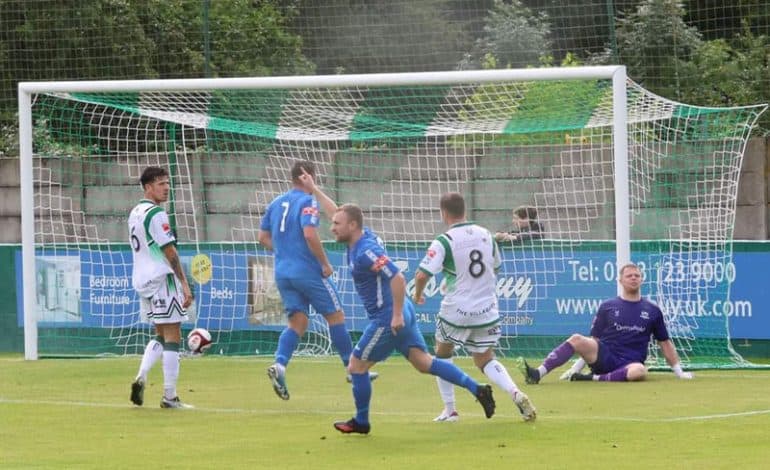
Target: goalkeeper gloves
[677,369]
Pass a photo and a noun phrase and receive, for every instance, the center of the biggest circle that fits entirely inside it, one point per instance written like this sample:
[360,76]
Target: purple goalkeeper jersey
[625,327]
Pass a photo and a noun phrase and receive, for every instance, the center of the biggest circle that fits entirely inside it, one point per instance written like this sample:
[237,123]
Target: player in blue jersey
[620,338]
[393,326]
[302,273]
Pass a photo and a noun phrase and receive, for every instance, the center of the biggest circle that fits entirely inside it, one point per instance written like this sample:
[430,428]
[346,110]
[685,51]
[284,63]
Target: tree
[655,44]
[368,36]
[514,35]
[730,73]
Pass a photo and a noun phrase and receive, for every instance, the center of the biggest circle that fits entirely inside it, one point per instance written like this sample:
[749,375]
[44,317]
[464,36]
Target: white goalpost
[615,173]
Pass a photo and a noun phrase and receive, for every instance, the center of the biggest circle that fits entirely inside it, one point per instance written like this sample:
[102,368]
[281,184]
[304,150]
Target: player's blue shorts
[377,343]
[298,294]
[606,361]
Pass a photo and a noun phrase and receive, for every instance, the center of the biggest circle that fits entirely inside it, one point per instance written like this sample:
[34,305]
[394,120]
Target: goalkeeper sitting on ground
[620,337]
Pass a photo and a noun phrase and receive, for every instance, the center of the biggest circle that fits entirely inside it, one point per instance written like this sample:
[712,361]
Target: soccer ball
[199,340]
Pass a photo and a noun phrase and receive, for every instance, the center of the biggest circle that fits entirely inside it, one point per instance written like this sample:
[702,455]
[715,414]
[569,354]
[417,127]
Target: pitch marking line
[61,403]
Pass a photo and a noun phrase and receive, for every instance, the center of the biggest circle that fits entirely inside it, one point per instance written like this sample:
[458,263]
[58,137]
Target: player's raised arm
[328,206]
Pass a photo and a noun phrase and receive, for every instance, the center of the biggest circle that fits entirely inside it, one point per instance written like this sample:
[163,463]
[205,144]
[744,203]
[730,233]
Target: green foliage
[655,43]
[730,73]
[515,35]
[48,144]
[343,36]
[138,39]
[252,38]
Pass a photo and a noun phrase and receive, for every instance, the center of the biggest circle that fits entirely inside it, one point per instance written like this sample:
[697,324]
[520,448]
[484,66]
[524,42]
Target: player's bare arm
[314,243]
[669,352]
[328,206]
[169,251]
[398,288]
[265,239]
[420,281]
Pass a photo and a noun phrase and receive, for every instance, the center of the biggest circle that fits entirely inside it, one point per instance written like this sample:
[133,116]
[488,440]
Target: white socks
[152,352]
[498,374]
[170,370]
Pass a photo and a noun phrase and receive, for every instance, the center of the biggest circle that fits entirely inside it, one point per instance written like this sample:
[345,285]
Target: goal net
[613,172]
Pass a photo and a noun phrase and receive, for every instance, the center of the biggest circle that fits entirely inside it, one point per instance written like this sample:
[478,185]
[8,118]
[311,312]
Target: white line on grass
[11,401]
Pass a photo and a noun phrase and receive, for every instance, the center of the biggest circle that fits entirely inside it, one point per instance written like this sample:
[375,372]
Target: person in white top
[469,258]
[160,282]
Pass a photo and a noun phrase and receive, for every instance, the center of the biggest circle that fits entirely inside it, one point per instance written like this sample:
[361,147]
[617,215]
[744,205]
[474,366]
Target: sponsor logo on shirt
[431,253]
[645,315]
[380,263]
[310,211]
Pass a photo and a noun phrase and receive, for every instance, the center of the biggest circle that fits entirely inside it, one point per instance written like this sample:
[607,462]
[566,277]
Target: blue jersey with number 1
[285,219]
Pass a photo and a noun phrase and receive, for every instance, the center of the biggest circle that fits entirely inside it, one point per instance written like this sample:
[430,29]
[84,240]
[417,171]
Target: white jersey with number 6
[149,231]
[469,258]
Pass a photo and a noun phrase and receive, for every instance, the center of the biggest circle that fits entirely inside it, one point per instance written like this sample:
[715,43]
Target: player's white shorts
[474,340]
[165,305]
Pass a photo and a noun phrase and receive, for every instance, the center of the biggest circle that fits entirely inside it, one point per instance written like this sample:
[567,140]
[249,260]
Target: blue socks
[362,395]
[341,340]
[287,343]
[451,373]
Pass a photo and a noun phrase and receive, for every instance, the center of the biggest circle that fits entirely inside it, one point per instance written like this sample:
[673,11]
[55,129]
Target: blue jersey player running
[619,341]
[302,273]
[392,327]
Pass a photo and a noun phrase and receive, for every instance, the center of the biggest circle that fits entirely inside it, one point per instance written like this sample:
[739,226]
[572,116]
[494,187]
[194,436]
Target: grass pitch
[76,414]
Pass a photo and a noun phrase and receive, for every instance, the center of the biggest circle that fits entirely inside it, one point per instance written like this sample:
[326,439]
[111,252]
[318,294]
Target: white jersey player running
[161,284]
[469,258]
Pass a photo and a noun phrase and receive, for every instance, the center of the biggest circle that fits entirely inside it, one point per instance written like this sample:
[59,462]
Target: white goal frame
[26,90]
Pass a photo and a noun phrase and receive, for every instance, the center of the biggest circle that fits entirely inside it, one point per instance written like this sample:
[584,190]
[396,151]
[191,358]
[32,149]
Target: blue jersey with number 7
[285,219]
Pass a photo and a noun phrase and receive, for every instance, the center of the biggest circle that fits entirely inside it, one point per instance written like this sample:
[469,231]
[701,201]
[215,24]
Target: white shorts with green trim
[474,340]
[165,305]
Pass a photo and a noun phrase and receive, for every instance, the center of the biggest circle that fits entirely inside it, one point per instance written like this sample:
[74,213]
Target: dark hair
[453,204]
[152,173]
[525,212]
[296,170]
[353,212]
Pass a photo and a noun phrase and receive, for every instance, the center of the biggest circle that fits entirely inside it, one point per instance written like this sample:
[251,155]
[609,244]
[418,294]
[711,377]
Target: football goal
[611,173]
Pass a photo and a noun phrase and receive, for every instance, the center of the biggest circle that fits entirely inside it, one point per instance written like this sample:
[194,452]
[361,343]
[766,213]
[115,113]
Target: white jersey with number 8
[468,256]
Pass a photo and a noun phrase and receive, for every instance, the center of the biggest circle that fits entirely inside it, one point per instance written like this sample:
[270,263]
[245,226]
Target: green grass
[76,414]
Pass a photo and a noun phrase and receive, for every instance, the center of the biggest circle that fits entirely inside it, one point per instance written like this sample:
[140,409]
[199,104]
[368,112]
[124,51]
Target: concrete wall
[219,200]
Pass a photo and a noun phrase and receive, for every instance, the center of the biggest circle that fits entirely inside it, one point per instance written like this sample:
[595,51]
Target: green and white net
[394,151]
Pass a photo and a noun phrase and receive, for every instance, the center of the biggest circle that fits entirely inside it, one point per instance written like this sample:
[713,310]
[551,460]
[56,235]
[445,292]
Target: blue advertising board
[551,295]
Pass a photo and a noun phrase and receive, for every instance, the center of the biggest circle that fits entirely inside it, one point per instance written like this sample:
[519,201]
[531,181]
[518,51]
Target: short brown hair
[354,213]
[152,173]
[453,204]
[296,169]
[628,266]
[525,212]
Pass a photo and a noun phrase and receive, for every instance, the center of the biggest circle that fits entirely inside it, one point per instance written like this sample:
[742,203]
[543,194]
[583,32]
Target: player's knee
[576,340]
[298,322]
[636,372]
[420,360]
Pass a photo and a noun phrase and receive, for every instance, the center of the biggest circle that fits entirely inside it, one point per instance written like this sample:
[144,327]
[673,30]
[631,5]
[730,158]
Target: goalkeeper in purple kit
[619,341]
